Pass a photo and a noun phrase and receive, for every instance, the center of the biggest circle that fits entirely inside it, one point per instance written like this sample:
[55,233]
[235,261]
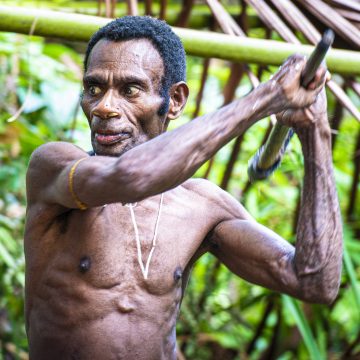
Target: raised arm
[310,271]
[163,162]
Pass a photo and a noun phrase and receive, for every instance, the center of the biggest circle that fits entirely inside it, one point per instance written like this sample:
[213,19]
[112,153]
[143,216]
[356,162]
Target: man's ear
[179,93]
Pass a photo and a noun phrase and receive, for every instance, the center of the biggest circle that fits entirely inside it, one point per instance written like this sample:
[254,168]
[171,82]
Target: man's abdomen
[115,335]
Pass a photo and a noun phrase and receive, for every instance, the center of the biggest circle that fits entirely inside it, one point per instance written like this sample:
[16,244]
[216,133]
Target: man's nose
[107,108]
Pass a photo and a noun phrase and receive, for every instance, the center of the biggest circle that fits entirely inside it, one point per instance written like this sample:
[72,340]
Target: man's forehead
[135,51]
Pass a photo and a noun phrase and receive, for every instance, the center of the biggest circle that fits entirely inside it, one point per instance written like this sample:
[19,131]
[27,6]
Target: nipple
[85,264]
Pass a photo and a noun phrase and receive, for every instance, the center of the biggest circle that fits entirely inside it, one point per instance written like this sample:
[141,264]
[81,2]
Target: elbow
[330,297]
[321,285]
[324,298]
[330,293]
[322,294]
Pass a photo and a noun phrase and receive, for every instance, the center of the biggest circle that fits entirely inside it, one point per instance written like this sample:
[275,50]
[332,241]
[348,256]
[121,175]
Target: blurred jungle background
[222,317]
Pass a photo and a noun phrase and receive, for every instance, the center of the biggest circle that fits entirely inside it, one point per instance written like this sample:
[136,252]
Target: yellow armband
[77,201]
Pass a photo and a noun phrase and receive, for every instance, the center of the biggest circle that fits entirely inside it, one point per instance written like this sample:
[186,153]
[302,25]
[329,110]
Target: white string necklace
[145,270]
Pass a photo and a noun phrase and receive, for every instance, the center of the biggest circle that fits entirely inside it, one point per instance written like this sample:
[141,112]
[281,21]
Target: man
[111,238]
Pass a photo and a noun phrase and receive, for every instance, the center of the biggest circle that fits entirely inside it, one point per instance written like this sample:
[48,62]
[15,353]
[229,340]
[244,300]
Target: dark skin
[86,297]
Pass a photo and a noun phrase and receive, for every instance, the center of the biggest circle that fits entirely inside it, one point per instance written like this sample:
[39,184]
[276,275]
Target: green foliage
[222,316]
[46,77]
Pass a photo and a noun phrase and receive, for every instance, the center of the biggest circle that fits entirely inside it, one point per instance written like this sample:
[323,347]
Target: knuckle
[323,67]
[299,58]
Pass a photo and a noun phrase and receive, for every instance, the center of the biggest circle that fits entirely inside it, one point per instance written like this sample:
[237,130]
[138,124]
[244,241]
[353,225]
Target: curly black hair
[162,37]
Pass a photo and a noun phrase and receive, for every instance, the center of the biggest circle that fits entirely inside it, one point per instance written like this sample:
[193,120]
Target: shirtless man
[110,239]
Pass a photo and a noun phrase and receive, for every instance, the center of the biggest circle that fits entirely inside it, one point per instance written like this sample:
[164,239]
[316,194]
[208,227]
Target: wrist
[267,100]
[319,128]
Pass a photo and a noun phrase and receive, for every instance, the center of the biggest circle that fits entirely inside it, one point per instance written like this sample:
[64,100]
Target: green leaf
[5,256]
[7,240]
[303,326]
[352,277]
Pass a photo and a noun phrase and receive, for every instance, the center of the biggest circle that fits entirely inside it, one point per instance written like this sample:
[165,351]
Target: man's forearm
[173,157]
[318,253]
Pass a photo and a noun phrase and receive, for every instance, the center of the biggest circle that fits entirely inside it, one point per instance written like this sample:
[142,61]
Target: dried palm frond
[230,27]
[148,7]
[330,17]
[199,96]
[162,14]
[273,21]
[297,20]
[349,4]
[353,16]
[184,15]
[302,24]
[132,7]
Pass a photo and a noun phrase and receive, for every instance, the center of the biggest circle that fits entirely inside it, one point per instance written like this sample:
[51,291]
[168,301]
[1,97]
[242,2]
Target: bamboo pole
[200,43]
[200,17]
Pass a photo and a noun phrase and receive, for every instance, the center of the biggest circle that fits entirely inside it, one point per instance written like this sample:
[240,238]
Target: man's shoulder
[53,151]
[51,157]
[202,187]
[207,190]
[217,199]
[46,164]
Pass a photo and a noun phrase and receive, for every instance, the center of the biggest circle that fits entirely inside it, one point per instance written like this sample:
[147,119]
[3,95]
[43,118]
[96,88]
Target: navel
[125,305]
[85,264]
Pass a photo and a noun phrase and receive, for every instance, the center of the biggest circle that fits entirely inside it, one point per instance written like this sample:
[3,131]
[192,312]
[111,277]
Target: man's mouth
[111,138]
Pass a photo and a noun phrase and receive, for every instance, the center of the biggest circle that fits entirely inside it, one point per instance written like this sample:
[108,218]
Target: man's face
[121,95]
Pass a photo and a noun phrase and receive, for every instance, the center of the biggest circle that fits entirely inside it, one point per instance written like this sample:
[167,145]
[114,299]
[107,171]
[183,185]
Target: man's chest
[149,244]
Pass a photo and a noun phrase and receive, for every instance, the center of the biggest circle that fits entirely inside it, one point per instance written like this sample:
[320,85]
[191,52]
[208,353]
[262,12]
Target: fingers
[295,65]
[289,79]
[296,59]
[291,68]
[319,79]
[301,116]
[328,76]
[309,115]
[296,118]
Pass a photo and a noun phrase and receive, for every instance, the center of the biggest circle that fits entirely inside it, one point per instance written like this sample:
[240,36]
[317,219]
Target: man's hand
[302,105]
[305,117]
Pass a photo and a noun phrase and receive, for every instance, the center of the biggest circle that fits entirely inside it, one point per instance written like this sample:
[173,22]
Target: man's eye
[131,90]
[94,90]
